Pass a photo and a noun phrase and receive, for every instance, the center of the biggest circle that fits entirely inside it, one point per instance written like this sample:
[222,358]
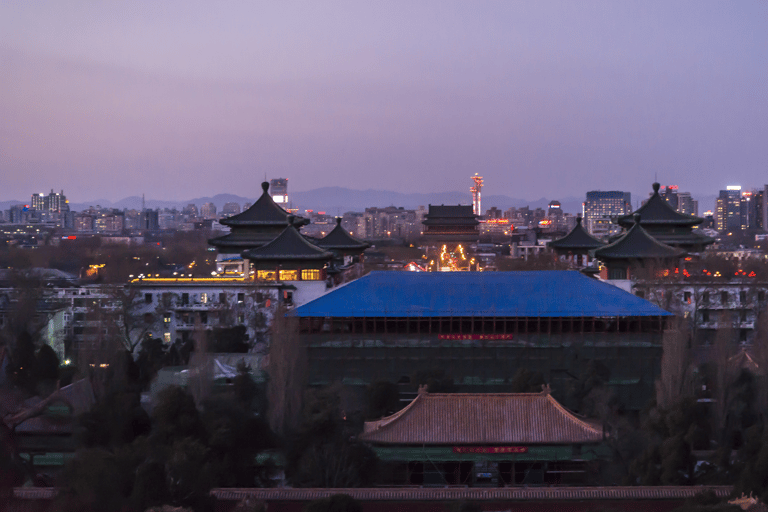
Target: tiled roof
[476,493]
[339,239]
[534,294]
[450,215]
[289,245]
[578,238]
[78,395]
[264,212]
[658,211]
[637,244]
[482,418]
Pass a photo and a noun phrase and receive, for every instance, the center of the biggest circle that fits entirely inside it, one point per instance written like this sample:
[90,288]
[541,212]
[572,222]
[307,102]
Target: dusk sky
[182,99]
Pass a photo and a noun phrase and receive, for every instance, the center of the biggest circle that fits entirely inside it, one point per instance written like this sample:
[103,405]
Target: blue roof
[546,293]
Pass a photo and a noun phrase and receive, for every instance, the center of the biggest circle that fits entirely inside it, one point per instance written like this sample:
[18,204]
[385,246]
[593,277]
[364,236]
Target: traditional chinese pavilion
[485,439]
[636,249]
[576,245]
[289,257]
[343,245]
[259,224]
[451,224]
[668,226]
[480,328]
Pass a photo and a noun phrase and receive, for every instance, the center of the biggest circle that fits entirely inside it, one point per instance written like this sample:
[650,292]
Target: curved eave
[656,211]
[231,221]
[578,239]
[628,220]
[288,257]
[339,240]
[637,244]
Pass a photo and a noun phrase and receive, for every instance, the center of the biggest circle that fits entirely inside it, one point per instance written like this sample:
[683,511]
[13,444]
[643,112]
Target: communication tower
[476,208]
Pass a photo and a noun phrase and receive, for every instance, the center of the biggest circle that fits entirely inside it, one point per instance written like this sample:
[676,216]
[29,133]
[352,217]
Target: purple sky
[180,99]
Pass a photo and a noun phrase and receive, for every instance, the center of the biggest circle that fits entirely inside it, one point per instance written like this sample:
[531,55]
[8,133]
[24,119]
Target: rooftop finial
[265,186]
[578,219]
[290,220]
[338,221]
[637,218]
[656,187]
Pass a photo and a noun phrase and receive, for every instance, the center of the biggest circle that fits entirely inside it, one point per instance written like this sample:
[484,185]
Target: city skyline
[541,99]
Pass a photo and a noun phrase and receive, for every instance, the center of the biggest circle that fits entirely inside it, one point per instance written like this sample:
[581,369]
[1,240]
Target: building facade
[601,208]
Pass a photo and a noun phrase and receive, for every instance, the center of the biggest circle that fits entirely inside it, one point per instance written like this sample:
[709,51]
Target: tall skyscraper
[728,209]
[602,207]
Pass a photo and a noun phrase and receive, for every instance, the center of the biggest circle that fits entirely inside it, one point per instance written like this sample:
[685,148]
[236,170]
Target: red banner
[490,449]
[474,337]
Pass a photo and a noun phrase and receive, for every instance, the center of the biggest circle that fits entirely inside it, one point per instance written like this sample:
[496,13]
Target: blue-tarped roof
[546,293]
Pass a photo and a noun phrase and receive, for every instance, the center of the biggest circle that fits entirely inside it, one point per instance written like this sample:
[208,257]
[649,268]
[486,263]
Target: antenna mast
[476,207]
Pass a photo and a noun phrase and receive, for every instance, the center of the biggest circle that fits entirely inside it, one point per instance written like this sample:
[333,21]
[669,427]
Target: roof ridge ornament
[423,389]
[546,389]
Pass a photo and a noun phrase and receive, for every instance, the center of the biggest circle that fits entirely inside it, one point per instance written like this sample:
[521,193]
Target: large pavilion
[480,328]
[485,439]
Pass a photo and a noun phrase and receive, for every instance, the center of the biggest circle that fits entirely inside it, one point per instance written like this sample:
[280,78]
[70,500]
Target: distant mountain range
[338,200]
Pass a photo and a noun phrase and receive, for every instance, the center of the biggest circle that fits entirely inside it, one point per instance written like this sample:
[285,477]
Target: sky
[182,99]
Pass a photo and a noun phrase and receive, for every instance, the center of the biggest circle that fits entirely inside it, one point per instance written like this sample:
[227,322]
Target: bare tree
[287,369]
[674,382]
[723,349]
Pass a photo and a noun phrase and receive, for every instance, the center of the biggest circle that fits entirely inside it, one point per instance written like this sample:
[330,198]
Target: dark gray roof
[289,245]
[637,244]
[657,211]
[577,239]
[339,239]
[264,212]
[450,215]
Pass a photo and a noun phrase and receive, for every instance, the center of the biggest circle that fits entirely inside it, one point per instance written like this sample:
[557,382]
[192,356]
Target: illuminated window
[310,275]
[166,318]
[167,337]
[204,298]
[289,275]
[266,275]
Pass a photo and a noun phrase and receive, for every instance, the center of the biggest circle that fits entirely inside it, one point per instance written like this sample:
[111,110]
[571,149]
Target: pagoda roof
[577,238]
[482,418]
[340,239]
[534,294]
[289,245]
[657,211]
[264,212]
[241,240]
[451,215]
[637,244]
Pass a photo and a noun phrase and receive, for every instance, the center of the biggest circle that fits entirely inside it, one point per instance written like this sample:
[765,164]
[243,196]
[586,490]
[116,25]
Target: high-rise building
[208,211]
[53,202]
[190,209]
[602,207]
[682,202]
[728,209]
[279,190]
[230,209]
